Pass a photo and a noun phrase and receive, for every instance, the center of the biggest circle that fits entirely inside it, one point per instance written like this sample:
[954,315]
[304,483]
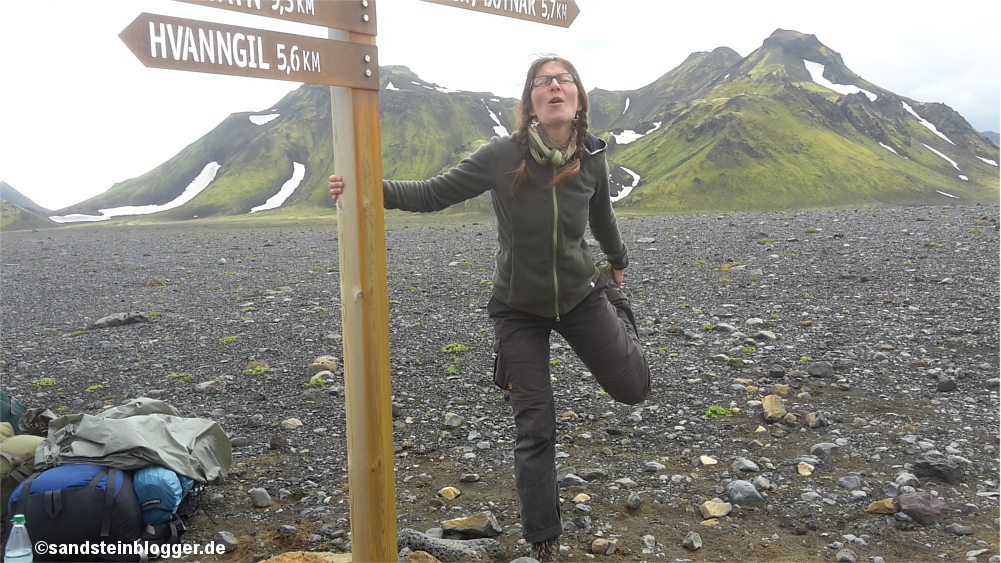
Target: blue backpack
[160,492]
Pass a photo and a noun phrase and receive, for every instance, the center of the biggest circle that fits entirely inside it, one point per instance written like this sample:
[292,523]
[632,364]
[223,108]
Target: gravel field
[825,383]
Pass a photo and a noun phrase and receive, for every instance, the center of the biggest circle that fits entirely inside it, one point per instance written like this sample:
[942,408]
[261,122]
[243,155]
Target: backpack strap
[109,501]
[22,501]
[19,469]
[53,502]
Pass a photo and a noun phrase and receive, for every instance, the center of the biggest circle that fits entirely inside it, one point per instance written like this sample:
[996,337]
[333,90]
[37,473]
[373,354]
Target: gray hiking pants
[602,332]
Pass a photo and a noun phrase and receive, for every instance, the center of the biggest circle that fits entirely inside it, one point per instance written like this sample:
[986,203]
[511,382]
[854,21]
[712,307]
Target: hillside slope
[790,126]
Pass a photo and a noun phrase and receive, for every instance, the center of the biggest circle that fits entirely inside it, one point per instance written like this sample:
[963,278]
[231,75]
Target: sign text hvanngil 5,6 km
[181,44]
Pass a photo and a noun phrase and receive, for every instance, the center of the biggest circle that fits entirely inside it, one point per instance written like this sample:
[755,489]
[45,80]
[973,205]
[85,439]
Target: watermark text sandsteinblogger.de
[162,550]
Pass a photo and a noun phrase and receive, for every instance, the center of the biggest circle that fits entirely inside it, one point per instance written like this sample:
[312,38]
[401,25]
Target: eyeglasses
[547,79]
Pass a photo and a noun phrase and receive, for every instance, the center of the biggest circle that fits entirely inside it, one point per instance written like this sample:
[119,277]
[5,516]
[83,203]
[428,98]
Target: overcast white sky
[78,112]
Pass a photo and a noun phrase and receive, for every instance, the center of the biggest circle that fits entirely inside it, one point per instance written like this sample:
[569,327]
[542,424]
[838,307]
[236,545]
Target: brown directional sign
[561,13]
[349,15]
[181,44]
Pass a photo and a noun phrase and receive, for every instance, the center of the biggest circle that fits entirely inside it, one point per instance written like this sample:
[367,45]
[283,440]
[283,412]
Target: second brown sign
[182,44]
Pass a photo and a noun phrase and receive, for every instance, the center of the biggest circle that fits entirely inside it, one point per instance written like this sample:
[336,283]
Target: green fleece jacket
[544,264]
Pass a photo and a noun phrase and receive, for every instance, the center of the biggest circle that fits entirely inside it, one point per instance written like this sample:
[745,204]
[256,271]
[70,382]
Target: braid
[521,175]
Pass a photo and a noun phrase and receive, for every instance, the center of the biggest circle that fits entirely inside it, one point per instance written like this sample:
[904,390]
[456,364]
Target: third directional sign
[180,44]
[356,15]
[552,12]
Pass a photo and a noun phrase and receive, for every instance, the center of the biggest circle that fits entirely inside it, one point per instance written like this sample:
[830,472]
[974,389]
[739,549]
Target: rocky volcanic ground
[858,351]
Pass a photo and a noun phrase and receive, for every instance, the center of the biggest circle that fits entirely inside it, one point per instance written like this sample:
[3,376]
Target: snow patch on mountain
[817,73]
[200,182]
[626,189]
[499,129]
[925,122]
[288,188]
[628,136]
[262,119]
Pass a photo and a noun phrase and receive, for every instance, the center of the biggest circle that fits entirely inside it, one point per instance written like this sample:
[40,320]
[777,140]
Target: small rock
[227,540]
[820,369]
[260,497]
[713,509]
[745,465]
[210,387]
[692,541]
[923,508]
[483,525]
[118,319]
[571,480]
[946,384]
[323,363]
[774,411]
[450,493]
[905,479]
[291,423]
[934,464]
[279,443]
[603,546]
[743,493]
[846,556]
[703,460]
[825,450]
[850,482]
[959,530]
[634,501]
[817,420]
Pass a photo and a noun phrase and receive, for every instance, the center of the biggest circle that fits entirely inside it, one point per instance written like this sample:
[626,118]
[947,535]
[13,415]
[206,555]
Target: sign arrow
[181,44]
[560,13]
[357,16]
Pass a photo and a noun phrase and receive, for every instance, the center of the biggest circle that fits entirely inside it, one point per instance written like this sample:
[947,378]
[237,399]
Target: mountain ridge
[718,133]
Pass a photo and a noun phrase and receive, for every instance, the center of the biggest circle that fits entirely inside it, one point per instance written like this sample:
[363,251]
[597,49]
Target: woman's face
[554,104]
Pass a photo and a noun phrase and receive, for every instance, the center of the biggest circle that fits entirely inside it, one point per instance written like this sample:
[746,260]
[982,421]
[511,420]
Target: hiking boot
[545,551]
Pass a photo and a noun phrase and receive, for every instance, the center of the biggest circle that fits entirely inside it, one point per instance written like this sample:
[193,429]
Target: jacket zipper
[556,226]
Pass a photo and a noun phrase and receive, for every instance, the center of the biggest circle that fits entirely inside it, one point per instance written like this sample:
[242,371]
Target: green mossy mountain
[719,133]
[18,212]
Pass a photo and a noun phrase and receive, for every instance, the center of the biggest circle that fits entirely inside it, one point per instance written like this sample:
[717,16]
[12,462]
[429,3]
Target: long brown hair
[521,175]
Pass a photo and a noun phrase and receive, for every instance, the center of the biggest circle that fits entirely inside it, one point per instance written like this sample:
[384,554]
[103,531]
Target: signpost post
[348,63]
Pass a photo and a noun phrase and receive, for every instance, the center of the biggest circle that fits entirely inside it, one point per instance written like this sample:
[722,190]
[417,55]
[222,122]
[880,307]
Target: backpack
[76,505]
[10,410]
[17,463]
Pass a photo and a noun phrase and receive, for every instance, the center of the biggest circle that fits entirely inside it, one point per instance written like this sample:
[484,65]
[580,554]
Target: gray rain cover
[139,434]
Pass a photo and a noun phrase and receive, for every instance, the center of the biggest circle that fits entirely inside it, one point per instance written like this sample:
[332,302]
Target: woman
[548,183]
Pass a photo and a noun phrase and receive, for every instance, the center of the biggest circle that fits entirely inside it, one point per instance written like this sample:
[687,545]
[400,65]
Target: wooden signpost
[347,61]
[349,64]
[560,13]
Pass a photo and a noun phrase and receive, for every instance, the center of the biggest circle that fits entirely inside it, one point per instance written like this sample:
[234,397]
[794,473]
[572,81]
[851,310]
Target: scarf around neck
[545,151]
